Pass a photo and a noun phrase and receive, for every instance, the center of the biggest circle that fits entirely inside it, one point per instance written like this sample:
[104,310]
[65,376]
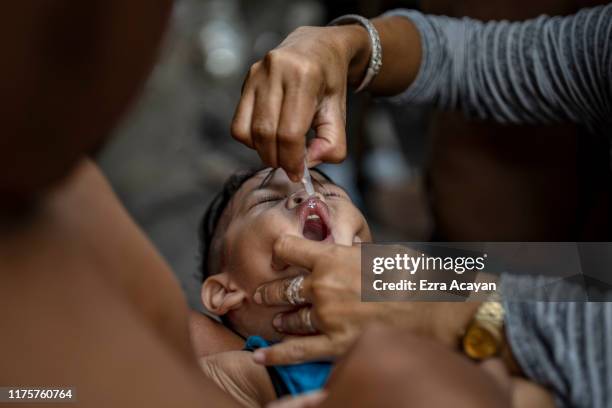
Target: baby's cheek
[349,218]
[253,245]
[275,223]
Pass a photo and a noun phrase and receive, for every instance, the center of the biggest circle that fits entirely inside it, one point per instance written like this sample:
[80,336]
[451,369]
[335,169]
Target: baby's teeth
[313,217]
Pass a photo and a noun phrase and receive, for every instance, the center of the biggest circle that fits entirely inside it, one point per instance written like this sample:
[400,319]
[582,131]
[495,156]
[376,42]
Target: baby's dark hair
[215,209]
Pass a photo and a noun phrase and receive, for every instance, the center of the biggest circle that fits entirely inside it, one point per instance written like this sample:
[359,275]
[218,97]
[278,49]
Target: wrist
[508,359]
[356,43]
[451,320]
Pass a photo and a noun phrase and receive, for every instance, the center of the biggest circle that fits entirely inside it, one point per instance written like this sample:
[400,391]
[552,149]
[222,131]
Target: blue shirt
[296,378]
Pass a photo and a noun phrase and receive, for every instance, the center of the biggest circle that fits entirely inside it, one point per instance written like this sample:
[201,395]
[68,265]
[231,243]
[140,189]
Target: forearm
[543,70]
[547,69]
[401,46]
[210,337]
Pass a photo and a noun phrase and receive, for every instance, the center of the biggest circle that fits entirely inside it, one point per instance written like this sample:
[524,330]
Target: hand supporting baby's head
[240,228]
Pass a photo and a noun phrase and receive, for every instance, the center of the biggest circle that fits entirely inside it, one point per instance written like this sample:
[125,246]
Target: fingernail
[259,356]
[277,322]
[257,298]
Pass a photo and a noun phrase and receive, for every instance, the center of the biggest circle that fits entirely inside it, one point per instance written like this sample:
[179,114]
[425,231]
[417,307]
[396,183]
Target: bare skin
[238,375]
[88,302]
[211,337]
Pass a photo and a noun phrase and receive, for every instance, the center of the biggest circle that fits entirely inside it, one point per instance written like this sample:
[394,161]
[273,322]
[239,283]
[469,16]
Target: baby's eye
[268,199]
[332,194]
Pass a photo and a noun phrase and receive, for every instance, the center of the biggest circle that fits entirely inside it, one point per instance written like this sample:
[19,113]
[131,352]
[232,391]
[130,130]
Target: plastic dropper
[307,180]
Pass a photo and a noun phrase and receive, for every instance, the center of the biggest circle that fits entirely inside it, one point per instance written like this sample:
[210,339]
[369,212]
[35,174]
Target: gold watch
[484,337]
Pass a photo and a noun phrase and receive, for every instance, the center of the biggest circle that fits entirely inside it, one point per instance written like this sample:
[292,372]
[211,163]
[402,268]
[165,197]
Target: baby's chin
[258,325]
[272,335]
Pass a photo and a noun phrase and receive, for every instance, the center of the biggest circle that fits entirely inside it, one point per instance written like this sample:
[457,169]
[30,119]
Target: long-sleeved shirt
[544,70]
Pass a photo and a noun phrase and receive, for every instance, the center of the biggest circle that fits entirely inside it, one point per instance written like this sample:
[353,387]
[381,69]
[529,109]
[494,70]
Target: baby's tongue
[314,230]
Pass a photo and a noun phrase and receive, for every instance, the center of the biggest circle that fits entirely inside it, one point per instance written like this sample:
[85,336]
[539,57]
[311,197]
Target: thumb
[296,350]
[329,123]
[297,251]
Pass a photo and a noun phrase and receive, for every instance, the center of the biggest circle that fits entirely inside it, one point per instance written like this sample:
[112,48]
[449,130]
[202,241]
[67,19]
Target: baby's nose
[300,197]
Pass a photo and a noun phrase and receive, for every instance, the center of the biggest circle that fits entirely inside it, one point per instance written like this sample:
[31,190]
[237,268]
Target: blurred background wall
[417,175]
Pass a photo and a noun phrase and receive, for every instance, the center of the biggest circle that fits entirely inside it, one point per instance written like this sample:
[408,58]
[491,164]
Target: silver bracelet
[376,56]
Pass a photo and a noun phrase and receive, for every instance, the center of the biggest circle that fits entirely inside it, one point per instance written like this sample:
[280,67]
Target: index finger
[241,123]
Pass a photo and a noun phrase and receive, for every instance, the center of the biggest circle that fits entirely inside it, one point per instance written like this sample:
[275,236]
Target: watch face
[479,343]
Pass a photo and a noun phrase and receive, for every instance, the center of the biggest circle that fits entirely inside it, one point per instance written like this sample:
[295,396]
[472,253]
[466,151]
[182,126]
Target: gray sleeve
[566,346]
[544,70]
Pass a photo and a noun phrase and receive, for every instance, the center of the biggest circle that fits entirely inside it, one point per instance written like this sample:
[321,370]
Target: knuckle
[290,136]
[292,63]
[263,131]
[337,153]
[281,244]
[297,350]
[270,58]
[253,70]
[318,289]
[239,132]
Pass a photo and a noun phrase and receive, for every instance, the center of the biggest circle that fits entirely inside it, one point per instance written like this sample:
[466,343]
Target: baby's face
[261,213]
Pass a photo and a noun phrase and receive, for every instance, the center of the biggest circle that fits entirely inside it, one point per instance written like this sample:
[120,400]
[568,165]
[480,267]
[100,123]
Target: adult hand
[300,85]
[333,288]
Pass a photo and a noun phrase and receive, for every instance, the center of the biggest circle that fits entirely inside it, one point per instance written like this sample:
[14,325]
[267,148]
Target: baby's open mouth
[314,228]
[314,217]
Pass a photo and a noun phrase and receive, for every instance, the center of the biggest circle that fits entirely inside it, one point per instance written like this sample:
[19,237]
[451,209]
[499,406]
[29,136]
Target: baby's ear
[219,295]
